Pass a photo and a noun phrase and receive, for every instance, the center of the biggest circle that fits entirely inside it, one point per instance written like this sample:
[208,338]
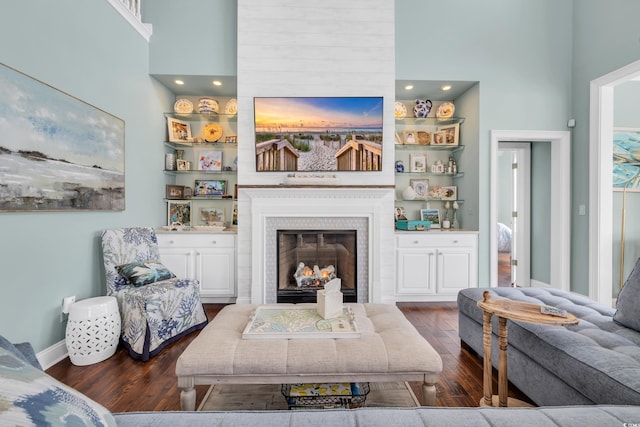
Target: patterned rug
[235,397]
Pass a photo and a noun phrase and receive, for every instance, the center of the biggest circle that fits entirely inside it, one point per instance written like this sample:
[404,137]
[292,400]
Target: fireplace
[307,259]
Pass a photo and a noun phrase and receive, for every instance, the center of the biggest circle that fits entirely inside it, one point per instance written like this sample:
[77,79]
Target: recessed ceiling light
[445,87]
[179,82]
[217,83]
[408,87]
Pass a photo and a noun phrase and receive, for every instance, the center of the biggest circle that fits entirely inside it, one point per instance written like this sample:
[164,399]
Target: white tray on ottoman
[389,349]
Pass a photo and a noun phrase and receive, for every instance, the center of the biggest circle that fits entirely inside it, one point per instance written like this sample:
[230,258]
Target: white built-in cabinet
[209,258]
[434,265]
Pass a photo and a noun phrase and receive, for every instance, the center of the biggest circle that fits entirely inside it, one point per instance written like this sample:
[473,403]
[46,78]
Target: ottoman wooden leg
[429,390]
[188,399]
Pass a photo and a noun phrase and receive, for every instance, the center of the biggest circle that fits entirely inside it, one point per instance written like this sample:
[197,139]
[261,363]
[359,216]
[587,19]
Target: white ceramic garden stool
[93,330]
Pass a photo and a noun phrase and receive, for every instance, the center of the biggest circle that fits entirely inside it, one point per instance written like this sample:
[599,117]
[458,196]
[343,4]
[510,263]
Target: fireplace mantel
[257,205]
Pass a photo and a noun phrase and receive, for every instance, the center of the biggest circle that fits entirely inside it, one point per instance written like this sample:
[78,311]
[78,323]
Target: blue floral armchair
[155,310]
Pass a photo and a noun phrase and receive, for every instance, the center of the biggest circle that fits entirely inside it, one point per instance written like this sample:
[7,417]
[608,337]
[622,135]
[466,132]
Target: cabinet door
[455,268]
[216,271]
[180,261]
[416,271]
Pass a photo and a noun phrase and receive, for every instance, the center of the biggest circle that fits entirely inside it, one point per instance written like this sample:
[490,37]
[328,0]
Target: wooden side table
[514,310]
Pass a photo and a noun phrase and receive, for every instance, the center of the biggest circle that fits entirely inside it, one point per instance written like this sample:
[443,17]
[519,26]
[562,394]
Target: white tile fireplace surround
[366,209]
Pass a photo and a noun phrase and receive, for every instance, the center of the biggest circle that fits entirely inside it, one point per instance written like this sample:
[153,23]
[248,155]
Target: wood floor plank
[122,384]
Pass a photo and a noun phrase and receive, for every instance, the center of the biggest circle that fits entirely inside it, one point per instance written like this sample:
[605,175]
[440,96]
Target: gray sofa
[594,362]
[30,397]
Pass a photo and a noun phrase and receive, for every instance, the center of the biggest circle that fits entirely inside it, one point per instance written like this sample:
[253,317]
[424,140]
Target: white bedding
[504,238]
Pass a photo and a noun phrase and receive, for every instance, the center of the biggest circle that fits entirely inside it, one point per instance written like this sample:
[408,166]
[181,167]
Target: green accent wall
[84,48]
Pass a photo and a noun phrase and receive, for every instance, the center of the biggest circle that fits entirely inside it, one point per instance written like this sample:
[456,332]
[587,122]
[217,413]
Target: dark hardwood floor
[122,384]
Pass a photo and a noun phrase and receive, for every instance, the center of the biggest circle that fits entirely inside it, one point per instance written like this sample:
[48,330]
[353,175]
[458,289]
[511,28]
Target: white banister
[130,10]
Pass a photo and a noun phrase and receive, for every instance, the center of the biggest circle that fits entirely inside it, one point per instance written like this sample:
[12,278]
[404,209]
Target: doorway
[513,210]
[601,121]
[559,229]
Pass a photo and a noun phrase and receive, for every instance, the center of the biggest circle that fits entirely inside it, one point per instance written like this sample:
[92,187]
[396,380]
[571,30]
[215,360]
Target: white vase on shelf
[409,193]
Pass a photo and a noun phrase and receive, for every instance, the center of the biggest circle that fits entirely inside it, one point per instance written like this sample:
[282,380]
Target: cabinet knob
[415,242]
[171,242]
[214,242]
[455,241]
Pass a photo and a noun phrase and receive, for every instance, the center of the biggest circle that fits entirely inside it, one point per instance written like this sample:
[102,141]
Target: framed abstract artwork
[62,154]
[626,159]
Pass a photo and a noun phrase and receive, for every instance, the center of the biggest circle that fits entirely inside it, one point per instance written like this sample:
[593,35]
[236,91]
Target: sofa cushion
[597,357]
[142,273]
[29,397]
[629,301]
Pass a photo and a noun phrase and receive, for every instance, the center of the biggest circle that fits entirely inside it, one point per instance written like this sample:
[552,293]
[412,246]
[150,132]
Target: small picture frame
[450,193]
[432,215]
[212,216]
[210,187]
[234,219]
[179,212]
[183,165]
[179,131]
[451,133]
[175,191]
[400,214]
[409,137]
[209,160]
[231,139]
[421,187]
[439,138]
[418,163]
[424,137]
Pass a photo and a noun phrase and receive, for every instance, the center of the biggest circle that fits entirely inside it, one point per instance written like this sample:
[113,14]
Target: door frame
[560,224]
[523,240]
[601,102]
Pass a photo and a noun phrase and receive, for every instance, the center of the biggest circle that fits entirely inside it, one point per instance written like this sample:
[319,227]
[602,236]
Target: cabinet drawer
[196,241]
[435,238]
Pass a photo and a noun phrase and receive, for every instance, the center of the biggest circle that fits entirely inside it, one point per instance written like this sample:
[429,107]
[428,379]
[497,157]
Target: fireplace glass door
[307,259]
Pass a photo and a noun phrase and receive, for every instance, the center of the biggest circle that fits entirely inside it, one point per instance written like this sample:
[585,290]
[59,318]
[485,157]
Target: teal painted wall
[192,37]
[541,211]
[519,50]
[84,48]
[605,34]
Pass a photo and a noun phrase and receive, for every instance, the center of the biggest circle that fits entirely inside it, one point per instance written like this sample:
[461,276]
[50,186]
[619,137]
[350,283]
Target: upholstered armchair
[156,307]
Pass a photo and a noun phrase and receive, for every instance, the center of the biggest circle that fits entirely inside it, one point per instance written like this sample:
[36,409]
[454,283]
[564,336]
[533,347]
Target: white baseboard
[52,355]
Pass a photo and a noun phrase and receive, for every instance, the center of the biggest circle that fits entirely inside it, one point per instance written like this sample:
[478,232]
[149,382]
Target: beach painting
[57,153]
[318,134]
[626,159]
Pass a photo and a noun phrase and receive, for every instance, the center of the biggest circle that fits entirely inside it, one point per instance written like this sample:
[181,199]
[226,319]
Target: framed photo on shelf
[439,138]
[451,133]
[421,187]
[212,216]
[180,212]
[210,187]
[418,163]
[175,191]
[179,131]
[432,215]
[424,137]
[231,139]
[183,165]
[234,219]
[450,193]
[409,137]
[209,160]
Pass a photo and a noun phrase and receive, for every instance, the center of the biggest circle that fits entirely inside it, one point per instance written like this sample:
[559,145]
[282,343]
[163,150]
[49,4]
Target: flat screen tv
[317,134]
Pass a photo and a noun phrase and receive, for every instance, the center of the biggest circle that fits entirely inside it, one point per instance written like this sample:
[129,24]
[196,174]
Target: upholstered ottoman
[389,349]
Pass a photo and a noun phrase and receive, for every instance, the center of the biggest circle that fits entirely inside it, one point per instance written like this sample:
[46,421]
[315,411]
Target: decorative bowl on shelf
[183,106]
[445,110]
[208,105]
[231,107]
[400,110]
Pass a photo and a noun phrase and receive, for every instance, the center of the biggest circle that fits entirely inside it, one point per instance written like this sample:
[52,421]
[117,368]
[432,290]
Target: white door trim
[600,181]
[560,227]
